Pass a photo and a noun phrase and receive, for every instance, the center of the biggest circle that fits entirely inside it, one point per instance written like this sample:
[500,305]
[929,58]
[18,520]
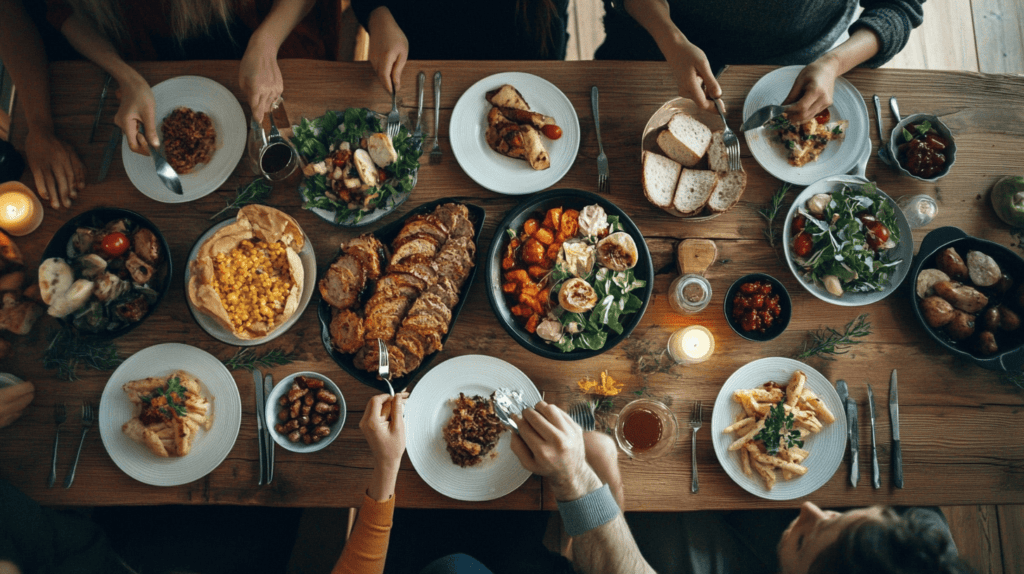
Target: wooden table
[963,442]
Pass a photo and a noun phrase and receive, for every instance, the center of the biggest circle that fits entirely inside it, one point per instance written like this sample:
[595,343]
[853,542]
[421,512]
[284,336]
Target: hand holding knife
[876,476]
[894,415]
[852,430]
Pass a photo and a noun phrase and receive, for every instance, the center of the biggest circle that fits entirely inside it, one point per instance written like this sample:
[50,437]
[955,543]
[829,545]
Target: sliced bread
[659,179]
[718,157]
[685,139]
[728,190]
[693,191]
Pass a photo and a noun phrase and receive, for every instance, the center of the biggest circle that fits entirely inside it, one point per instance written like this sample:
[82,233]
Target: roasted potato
[950,263]
[530,226]
[1000,318]
[990,319]
[926,281]
[963,297]
[986,344]
[1004,284]
[937,311]
[552,218]
[961,327]
[983,270]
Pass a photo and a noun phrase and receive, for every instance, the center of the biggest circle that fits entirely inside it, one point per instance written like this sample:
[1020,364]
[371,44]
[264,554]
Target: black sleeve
[892,21]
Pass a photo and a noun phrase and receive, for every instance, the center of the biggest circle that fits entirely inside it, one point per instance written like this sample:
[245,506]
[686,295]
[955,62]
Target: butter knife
[99,109]
[421,79]
[876,476]
[268,385]
[894,414]
[108,154]
[852,431]
[258,383]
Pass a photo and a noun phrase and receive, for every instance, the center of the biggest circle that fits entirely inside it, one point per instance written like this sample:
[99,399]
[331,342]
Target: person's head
[873,540]
[187,18]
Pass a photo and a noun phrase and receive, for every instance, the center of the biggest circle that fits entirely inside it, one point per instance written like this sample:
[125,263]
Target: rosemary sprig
[647,361]
[256,191]
[829,341]
[67,351]
[1015,377]
[770,211]
[246,358]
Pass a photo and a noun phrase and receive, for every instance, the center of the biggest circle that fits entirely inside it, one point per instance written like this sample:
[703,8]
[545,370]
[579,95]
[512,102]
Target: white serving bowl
[272,408]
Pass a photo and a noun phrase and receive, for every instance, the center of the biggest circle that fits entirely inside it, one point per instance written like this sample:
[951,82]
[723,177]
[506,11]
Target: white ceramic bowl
[272,408]
[896,138]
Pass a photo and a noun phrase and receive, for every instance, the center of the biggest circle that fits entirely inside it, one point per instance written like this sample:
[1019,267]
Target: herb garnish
[770,211]
[778,429]
[828,341]
[247,359]
[256,191]
[67,351]
[174,394]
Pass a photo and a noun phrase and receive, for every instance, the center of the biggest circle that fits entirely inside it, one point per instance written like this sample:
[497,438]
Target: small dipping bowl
[272,409]
[781,322]
[896,138]
[646,429]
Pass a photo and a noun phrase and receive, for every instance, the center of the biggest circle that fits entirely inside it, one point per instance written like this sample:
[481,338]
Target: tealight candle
[691,345]
[20,209]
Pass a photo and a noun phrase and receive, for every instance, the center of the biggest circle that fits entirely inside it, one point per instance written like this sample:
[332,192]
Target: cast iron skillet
[386,235]
[541,202]
[1010,359]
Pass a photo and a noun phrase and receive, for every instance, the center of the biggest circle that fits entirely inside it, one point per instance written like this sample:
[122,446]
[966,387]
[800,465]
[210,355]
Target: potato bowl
[272,408]
[896,138]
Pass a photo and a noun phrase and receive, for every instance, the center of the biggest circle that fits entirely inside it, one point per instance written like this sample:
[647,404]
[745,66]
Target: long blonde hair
[188,18]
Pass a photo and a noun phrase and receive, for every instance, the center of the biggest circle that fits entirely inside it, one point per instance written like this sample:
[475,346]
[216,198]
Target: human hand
[13,401]
[138,108]
[389,48]
[259,76]
[693,74]
[551,445]
[384,428]
[58,173]
[812,90]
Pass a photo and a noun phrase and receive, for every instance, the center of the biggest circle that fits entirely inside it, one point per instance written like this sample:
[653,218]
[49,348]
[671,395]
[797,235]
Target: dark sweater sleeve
[892,21]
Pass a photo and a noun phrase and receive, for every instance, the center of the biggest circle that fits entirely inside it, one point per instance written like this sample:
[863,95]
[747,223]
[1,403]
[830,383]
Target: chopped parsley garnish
[174,393]
[778,430]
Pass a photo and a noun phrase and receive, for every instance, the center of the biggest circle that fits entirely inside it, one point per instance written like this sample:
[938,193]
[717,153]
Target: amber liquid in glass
[642,430]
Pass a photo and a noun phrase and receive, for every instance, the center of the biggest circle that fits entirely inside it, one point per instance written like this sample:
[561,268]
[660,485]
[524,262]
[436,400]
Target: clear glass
[689,294]
[919,209]
[665,438]
[273,156]
[691,345]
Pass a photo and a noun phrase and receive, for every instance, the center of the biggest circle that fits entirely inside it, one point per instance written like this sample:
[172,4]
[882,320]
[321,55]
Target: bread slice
[508,97]
[693,191]
[659,179]
[718,157]
[728,190]
[685,139]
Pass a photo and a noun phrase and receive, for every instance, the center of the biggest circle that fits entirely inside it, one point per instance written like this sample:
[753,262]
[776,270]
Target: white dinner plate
[839,156]
[429,409]
[202,95]
[210,447]
[504,174]
[215,329]
[827,447]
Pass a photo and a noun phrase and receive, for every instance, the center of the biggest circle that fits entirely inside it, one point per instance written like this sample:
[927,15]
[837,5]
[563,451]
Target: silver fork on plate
[87,418]
[695,424]
[603,185]
[394,119]
[732,143]
[60,414]
[435,152]
[384,365]
[582,413]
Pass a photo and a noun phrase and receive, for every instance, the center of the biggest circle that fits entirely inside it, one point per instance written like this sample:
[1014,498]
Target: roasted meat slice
[414,344]
[455,260]
[420,266]
[455,217]
[445,291]
[396,284]
[367,358]
[370,253]
[146,245]
[140,271]
[413,245]
[384,317]
[428,224]
[347,332]
[343,282]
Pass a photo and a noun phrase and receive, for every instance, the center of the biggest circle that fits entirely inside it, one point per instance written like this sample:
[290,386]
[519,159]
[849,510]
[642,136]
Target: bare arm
[812,91]
[59,174]
[259,74]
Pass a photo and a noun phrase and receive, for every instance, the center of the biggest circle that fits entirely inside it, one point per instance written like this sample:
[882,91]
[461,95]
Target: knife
[876,476]
[421,78]
[268,385]
[258,380]
[108,154]
[894,414]
[99,109]
[852,431]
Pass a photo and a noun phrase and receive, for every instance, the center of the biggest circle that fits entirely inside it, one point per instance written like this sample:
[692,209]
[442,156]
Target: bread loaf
[718,157]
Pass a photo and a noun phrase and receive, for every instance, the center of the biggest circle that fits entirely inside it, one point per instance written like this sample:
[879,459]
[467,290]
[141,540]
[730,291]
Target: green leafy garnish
[67,351]
[924,127]
[511,233]
[778,430]
[837,130]
[175,395]
[256,191]
[907,136]
[246,358]
[827,342]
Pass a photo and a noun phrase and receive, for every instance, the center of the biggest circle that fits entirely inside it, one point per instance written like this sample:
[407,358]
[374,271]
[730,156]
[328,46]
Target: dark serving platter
[386,235]
[98,217]
[540,202]
[1010,358]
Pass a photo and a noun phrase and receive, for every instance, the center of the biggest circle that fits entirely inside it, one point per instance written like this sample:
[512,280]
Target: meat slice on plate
[422,267]
[343,282]
[396,284]
[420,244]
[382,319]
[445,291]
[455,260]
[428,224]
[367,359]
[455,217]
[347,332]
[370,253]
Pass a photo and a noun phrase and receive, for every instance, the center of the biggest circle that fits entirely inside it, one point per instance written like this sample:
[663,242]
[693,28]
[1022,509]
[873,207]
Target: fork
[394,119]
[384,365]
[435,152]
[60,414]
[87,418]
[695,424]
[732,143]
[602,160]
[582,413]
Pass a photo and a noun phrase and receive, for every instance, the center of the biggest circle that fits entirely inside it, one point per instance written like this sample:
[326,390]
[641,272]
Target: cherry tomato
[551,131]
[823,117]
[877,234]
[802,245]
[798,225]
[115,244]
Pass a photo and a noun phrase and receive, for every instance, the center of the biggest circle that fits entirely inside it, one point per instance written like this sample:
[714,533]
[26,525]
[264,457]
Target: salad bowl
[903,251]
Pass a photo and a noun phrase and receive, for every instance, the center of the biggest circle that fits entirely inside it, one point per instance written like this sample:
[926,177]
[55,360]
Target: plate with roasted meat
[170,414]
[105,271]
[203,133]
[834,142]
[455,442]
[515,133]
[406,284]
[248,280]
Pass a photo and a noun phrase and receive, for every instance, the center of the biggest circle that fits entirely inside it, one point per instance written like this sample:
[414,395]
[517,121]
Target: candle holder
[691,345]
[21,212]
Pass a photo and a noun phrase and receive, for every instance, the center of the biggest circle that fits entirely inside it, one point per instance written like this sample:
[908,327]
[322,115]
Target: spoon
[164,171]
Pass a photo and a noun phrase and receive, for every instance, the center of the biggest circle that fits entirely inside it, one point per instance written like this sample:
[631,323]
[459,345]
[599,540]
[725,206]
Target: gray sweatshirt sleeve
[588,512]
[892,21]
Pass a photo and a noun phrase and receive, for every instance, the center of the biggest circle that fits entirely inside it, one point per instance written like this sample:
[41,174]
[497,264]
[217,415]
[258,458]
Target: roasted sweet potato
[568,225]
[532,322]
[530,226]
[552,218]
[533,251]
[537,271]
[545,236]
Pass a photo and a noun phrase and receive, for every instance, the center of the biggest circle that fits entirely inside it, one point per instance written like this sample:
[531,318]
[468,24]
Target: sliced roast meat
[419,244]
[425,224]
[420,266]
[370,253]
[400,285]
[445,291]
[343,282]
[347,334]
[382,320]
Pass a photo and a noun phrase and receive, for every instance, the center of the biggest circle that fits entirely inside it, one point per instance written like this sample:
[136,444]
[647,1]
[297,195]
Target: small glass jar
[689,294]
[919,209]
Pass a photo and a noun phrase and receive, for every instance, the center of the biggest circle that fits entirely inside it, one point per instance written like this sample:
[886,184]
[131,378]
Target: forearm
[23,53]
[862,45]
[282,19]
[84,38]
[382,481]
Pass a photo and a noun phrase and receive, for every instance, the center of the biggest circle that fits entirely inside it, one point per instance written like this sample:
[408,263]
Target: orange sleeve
[367,548]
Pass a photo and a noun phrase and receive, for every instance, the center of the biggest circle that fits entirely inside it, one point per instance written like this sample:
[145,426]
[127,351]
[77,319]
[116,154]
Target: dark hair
[535,17]
[915,542]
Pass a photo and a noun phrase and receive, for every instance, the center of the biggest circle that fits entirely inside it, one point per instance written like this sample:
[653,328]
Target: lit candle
[20,209]
[691,345]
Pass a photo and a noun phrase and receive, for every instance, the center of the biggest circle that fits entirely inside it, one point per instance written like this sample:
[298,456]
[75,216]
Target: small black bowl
[98,217]
[781,322]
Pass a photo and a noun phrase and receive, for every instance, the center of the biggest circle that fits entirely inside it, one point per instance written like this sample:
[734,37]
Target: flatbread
[253,221]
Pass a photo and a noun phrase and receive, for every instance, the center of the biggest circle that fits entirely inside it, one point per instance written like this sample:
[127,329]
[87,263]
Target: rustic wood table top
[963,441]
